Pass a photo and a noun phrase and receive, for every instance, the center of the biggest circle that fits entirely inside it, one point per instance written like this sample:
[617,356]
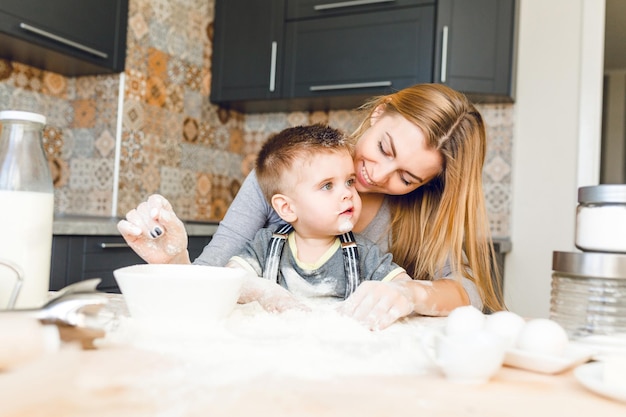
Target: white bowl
[177,296]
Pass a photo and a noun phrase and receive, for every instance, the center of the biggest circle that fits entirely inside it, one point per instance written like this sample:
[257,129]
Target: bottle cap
[22,115]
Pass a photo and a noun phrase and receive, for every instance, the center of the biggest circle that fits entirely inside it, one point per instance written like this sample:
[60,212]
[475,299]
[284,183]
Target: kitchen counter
[103,226]
[88,225]
[124,381]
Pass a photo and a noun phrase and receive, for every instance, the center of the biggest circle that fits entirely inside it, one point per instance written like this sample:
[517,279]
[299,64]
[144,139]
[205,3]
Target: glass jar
[26,211]
[588,296]
[601,218]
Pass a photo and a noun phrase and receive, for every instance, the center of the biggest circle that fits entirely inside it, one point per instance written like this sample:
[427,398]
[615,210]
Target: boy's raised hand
[155,233]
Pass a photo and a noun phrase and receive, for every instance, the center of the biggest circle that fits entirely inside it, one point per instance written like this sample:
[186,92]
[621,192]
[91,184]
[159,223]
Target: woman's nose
[381,173]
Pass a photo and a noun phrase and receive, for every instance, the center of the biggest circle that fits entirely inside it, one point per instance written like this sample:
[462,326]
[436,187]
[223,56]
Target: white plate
[591,376]
[546,364]
[604,345]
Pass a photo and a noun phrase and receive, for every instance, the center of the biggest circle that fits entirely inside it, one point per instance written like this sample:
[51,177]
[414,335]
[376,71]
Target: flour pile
[253,343]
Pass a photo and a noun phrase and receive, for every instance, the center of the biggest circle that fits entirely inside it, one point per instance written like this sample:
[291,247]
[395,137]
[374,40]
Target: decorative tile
[190,130]
[135,85]
[26,77]
[52,141]
[81,177]
[54,84]
[105,144]
[497,169]
[137,25]
[6,69]
[84,113]
[155,91]
[102,174]
[161,10]
[133,118]
[59,112]
[193,103]
[83,143]
[157,63]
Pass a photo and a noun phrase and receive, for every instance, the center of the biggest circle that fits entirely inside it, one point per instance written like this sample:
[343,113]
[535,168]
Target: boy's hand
[154,232]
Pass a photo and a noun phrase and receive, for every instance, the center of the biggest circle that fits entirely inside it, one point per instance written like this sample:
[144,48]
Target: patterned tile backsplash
[168,137]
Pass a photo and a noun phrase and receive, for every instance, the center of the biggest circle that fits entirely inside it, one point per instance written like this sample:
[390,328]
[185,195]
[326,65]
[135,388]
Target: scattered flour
[253,343]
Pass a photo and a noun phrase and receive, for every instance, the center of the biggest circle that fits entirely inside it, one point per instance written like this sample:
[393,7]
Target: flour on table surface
[314,344]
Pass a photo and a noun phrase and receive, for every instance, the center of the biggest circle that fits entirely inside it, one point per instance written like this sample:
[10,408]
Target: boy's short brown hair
[283,149]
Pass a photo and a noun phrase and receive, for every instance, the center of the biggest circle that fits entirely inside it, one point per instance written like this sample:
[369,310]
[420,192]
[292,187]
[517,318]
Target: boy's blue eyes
[329,185]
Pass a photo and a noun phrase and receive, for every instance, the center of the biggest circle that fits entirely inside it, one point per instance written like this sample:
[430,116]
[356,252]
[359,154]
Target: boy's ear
[282,205]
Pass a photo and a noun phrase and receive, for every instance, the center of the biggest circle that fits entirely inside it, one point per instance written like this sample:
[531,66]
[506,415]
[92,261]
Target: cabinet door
[247,50]
[72,37]
[359,55]
[474,46]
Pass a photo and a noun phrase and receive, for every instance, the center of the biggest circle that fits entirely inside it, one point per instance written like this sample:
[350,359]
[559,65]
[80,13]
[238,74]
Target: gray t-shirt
[326,277]
[249,212]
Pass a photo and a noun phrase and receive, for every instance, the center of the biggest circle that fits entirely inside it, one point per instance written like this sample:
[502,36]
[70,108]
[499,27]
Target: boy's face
[323,196]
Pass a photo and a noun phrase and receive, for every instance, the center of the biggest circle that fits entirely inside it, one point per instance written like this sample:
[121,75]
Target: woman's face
[391,157]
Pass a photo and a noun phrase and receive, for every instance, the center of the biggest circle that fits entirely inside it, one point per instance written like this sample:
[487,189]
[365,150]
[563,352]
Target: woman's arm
[247,214]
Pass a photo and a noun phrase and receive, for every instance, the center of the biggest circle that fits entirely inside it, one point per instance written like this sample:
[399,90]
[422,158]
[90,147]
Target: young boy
[307,175]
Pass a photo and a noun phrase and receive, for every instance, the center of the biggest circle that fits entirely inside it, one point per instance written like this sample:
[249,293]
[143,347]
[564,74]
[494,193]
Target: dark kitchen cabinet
[341,59]
[70,37]
[331,54]
[247,50]
[475,46]
[76,258]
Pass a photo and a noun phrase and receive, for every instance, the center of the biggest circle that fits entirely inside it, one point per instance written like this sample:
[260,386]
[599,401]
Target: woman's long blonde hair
[444,220]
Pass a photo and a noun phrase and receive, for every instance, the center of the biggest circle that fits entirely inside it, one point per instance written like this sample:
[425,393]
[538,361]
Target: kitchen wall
[113,140]
[558,113]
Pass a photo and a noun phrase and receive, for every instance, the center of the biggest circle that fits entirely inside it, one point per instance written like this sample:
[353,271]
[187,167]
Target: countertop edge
[107,226]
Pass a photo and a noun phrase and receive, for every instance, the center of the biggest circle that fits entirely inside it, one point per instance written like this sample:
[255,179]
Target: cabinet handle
[353,3]
[273,68]
[352,86]
[105,245]
[62,40]
[444,54]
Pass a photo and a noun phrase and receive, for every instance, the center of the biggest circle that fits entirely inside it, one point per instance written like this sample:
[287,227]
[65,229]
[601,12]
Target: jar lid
[22,115]
[605,193]
[590,264]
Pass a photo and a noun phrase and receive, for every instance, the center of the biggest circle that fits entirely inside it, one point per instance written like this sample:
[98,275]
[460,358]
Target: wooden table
[119,380]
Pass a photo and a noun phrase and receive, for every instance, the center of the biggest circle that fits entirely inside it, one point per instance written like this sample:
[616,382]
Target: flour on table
[316,344]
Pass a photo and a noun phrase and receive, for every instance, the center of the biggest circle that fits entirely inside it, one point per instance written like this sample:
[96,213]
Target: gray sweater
[250,212]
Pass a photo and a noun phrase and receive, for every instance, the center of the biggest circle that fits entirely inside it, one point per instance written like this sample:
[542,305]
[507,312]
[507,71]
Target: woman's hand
[379,304]
[154,232]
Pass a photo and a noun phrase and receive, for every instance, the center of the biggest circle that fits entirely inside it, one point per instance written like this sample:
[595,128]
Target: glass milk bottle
[26,210]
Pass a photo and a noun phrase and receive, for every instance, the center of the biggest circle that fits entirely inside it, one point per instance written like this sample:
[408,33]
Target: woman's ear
[283,207]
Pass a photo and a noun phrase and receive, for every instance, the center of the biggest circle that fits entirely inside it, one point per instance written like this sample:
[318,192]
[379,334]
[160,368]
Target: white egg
[543,336]
[464,320]
[505,324]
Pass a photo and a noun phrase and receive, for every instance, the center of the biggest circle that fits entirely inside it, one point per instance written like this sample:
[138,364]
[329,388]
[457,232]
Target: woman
[419,155]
